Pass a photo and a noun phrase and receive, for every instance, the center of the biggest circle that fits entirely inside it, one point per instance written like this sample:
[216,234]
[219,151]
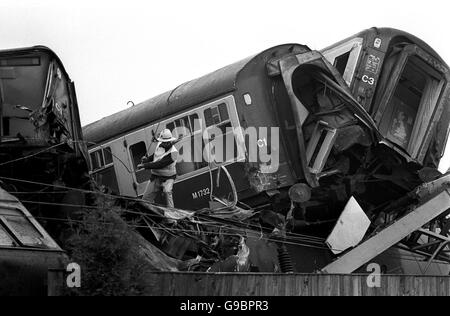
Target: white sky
[117,51]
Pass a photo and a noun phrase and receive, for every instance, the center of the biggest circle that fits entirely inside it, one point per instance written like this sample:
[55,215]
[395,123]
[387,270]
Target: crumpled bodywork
[343,156]
[41,147]
[53,120]
[37,99]
[341,151]
[326,116]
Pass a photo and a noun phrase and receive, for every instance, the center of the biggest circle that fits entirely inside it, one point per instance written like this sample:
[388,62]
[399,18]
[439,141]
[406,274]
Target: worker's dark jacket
[164,167]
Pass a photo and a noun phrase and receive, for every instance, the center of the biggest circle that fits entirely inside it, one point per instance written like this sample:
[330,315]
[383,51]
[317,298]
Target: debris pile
[238,239]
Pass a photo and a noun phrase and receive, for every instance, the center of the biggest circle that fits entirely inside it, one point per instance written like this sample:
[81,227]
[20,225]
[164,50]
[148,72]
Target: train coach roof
[391,33]
[183,97]
[34,49]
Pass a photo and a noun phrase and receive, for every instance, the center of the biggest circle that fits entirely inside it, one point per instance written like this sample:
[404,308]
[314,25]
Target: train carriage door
[411,105]
[137,145]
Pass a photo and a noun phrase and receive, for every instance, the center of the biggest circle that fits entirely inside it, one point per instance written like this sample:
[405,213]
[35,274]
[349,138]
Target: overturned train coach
[366,118]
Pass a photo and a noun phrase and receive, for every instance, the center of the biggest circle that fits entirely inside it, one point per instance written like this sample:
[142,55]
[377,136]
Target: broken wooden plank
[390,236]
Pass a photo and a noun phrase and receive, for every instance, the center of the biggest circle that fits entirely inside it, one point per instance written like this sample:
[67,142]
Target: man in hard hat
[163,168]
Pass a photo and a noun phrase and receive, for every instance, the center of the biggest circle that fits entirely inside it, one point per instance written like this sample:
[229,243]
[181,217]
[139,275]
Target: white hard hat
[166,136]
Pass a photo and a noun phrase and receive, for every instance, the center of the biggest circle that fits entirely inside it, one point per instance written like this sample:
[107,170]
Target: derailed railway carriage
[362,123]
[365,114]
[41,150]
[398,79]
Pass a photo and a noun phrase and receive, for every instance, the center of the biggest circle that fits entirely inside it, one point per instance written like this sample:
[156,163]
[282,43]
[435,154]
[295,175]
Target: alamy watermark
[73,279]
[374,278]
[219,144]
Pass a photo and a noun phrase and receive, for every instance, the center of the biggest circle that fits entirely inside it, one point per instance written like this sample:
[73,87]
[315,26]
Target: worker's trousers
[157,185]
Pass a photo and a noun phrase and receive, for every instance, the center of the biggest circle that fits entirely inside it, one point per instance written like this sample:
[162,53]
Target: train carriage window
[22,227]
[137,151]
[180,127]
[191,148]
[101,158]
[183,127]
[411,105]
[223,146]
[107,177]
[405,105]
[216,115]
[5,239]
[97,159]
[208,117]
[94,162]
[107,153]
[345,58]
[341,62]
[183,122]
[223,112]
[171,126]
[195,123]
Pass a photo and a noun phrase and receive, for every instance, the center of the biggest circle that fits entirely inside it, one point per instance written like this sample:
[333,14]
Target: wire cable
[209,217]
[32,155]
[125,198]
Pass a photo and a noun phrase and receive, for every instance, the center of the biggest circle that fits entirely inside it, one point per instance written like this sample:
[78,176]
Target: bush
[107,250]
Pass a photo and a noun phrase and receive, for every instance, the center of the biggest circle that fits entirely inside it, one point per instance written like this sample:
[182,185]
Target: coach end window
[345,58]
[409,105]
